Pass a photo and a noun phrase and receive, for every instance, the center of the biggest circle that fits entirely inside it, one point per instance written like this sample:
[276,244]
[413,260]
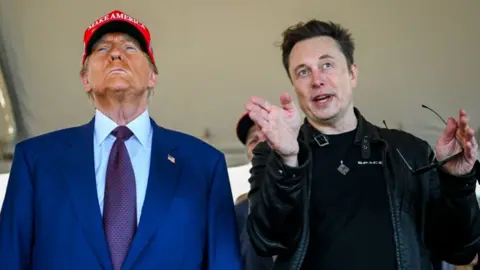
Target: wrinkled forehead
[314,49]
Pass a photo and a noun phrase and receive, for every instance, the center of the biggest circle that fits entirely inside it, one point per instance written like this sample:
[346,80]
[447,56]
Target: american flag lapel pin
[171,159]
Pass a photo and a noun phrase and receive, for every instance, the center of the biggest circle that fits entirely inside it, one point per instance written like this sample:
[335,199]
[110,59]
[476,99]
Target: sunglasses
[435,164]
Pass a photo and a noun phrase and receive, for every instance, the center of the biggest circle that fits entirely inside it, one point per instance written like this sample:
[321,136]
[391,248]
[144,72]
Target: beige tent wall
[7,123]
[214,54]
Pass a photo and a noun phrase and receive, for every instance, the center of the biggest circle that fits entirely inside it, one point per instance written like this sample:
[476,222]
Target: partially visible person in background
[249,135]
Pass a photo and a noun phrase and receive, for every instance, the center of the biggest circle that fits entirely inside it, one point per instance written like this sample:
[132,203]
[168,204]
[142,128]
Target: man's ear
[353,75]
[152,81]
[85,82]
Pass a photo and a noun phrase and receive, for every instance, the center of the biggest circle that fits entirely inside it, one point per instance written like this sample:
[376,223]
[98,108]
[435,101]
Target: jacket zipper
[393,213]
[297,263]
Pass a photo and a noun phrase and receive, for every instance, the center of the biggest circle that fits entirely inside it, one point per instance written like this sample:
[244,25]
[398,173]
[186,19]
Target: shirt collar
[140,126]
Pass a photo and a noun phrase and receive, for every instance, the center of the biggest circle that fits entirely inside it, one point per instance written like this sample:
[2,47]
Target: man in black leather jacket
[337,192]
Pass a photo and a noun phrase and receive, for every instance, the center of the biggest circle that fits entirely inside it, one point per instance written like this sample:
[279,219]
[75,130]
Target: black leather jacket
[432,213]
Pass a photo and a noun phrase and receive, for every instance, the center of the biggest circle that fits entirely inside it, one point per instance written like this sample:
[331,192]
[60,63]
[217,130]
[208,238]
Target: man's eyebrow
[322,57]
[326,56]
[295,70]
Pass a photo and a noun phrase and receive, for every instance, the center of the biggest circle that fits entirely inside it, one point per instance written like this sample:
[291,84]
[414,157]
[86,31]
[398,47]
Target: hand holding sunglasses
[456,150]
[458,140]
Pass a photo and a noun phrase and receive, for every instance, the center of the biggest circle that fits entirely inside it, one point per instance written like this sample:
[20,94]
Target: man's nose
[318,79]
[116,53]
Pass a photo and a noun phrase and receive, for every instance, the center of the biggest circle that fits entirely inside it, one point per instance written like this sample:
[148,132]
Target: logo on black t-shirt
[369,162]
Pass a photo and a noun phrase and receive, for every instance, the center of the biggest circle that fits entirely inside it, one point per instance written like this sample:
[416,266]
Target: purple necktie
[120,203]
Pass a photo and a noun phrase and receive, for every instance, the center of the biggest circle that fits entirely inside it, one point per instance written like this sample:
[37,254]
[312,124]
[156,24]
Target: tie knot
[122,132]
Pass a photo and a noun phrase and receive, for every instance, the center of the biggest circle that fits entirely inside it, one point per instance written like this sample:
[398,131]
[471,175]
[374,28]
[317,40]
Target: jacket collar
[366,131]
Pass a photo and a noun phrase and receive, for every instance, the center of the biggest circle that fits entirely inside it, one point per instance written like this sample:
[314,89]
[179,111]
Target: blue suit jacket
[251,261]
[51,217]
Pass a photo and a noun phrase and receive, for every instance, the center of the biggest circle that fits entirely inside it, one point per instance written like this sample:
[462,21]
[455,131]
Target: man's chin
[326,115]
[118,87]
[328,119]
[117,83]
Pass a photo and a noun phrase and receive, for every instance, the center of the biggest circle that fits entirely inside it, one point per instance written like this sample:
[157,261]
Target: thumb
[450,130]
[287,102]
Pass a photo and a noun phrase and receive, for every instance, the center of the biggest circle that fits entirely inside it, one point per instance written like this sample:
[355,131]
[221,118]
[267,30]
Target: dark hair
[315,28]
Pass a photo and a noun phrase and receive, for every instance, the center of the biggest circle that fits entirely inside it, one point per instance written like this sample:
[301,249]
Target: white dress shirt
[239,179]
[139,149]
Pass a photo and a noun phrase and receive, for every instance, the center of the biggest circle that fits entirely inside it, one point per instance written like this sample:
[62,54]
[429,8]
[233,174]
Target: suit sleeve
[453,217]
[16,217]
[223,243]
[250,259]
[276,199]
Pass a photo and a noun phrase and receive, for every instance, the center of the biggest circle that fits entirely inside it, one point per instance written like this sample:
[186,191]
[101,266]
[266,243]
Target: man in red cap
[249,135]
[119,192]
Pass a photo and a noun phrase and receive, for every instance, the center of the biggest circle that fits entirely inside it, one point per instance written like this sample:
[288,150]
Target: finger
[469,134]
[471,142]
[261,113]
[257,119]
[474,140]
[250,107]
[450,131]
[287,101]
[468,151]
[462,120]
[465,136]
[259,101]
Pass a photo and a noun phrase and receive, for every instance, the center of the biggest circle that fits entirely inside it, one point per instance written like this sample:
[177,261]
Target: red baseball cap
[117,21]
[243,126]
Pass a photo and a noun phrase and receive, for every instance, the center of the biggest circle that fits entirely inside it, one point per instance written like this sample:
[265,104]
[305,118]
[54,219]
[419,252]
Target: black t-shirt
[350,220]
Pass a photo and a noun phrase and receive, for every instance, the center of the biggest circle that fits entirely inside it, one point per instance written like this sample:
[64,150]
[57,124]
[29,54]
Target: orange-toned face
[117,68]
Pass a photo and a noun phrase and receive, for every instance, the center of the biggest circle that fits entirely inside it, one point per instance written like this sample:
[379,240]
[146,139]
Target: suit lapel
[161,187]
[79,174]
